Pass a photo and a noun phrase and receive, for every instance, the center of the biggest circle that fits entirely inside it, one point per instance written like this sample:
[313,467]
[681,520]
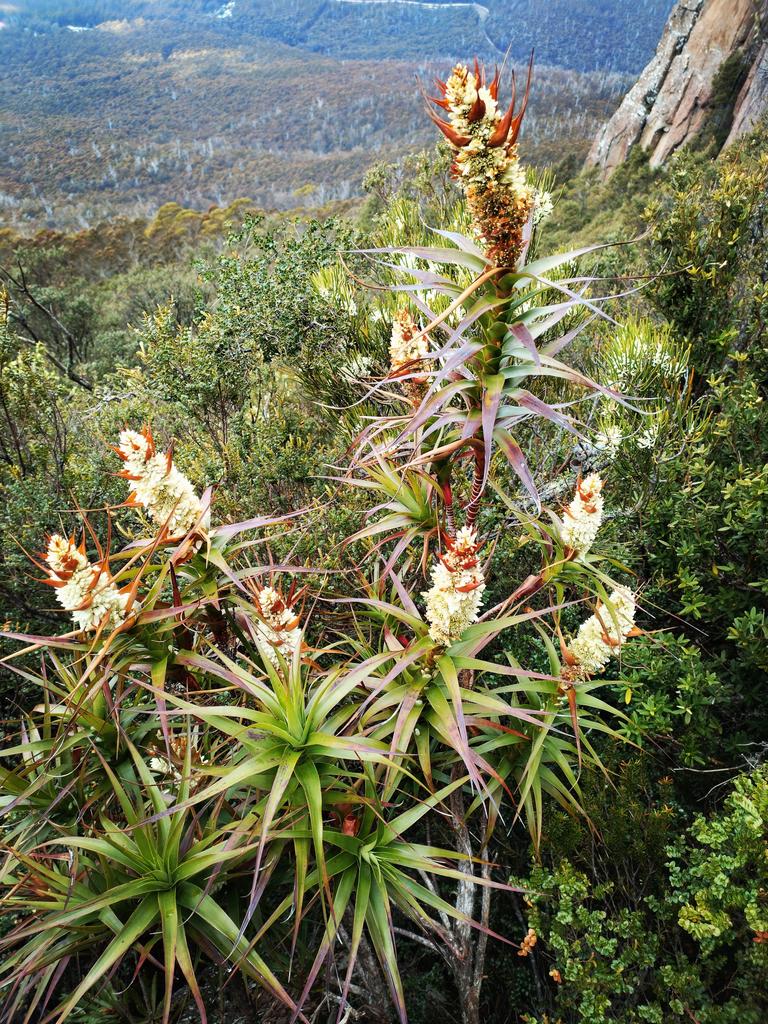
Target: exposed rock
[753,98]
[672,100]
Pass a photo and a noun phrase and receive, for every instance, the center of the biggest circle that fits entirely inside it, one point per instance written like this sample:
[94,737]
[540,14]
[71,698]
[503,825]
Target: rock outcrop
[752,101]
[674,98]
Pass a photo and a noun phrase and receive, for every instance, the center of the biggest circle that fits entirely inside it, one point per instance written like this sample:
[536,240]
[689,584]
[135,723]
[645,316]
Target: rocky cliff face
[676,96]
[752,101]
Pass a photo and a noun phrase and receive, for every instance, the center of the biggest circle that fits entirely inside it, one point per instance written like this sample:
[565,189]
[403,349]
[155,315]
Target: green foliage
[219,374]
[659,915]
[599,955]
[675,693]
[262,286]
[720,870]
[625,956]
[703,526]
[707,231]
[33,453]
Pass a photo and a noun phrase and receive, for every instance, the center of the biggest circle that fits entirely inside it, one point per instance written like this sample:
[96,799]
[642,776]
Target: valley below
[108,109]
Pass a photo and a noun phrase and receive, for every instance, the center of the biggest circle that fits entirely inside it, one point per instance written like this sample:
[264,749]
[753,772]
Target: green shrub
[689,944]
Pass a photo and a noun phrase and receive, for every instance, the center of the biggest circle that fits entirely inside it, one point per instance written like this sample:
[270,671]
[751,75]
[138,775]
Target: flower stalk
[159,486]
[83,588]
[486,161]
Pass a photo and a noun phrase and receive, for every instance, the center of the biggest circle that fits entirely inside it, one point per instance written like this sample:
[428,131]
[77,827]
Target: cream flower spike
[158,486]
[84,589]
[602,635]
[453,601]
[582,518]
[279,631]
[486,162]
[406,349]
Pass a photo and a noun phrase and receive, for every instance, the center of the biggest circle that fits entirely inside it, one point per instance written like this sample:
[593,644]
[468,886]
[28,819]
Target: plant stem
[473,506]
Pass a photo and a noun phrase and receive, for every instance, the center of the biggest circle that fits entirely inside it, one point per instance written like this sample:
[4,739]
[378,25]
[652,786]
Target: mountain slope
[585,35]
[115,107]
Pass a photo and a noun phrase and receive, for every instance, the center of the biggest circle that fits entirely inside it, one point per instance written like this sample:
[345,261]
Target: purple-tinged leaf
[579,378]
[405,659]
[539,408]
[526,339]
[463,243]
[519,464]
[427,277]
[414,289]
[433,255]
[545,318]
[47,641]
[251,686]
[494,388]
[580,299]
[403,594]
[547,263]
[431,406]
[553,347]
[527,237]
[255,523]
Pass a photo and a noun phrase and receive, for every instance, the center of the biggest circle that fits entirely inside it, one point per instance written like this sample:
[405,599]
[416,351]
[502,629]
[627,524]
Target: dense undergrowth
[653,905]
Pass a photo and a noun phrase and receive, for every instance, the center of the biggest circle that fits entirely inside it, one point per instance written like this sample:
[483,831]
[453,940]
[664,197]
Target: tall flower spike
[453,601]
[582,518]
[486,163]
[602,635]
[407,351]
[83,588]
[158,485]
[279,630]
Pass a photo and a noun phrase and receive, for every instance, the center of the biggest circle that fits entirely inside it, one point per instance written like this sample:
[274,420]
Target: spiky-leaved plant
[225,765]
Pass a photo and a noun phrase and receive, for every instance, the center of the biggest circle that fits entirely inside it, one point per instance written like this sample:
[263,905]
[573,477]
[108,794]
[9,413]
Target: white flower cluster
[160,764]
[544,206]
[453,601]
[84,589]
[609,440]
[357,366]
[601,636]
[158,485]
[649,437]
[582,518]
[666,361]
[405,345]
[636,361]
[279,630]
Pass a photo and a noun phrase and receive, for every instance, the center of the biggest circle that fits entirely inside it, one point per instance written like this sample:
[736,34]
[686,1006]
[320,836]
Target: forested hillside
[563,32]
[116,109]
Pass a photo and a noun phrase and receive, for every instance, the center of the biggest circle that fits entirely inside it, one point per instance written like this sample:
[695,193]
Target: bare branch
[20,283]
